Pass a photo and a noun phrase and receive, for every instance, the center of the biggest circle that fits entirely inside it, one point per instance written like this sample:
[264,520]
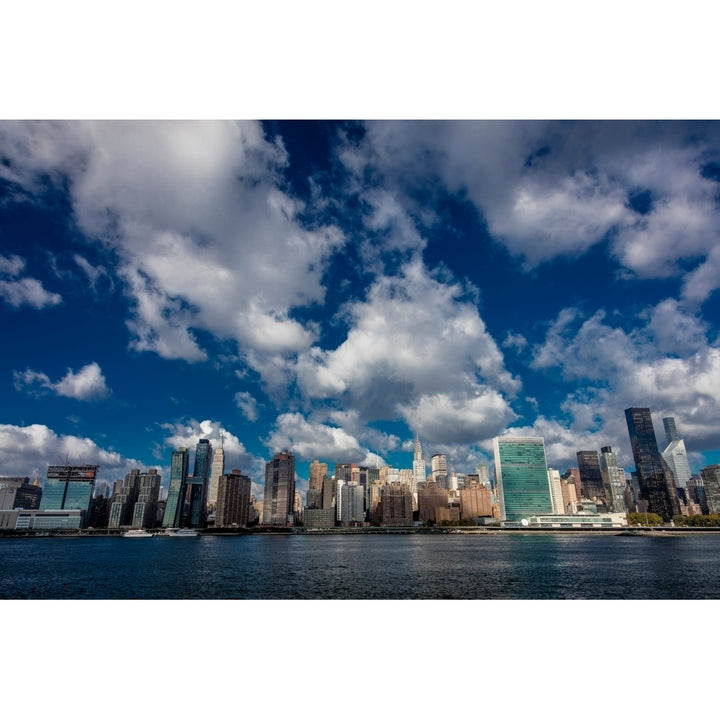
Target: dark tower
[590,474]
[656,480]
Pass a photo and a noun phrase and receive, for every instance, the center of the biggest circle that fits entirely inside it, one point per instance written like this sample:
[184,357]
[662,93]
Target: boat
[182,532]
[137,533]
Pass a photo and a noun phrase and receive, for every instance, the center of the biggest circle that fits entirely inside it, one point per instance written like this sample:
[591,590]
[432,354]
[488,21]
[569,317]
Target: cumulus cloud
[413,335]
[549,189]
[207,239]
[23,291]
[88,383]
[28,450]
[187,433]
[667,364]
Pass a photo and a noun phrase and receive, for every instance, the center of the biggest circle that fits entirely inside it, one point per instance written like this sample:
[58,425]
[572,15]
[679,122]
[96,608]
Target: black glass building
[656,480]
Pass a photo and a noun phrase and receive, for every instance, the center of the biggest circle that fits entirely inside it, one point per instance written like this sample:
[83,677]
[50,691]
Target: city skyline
[341,288]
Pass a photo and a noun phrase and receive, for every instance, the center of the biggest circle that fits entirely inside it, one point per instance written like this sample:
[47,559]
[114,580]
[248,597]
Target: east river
[363,567]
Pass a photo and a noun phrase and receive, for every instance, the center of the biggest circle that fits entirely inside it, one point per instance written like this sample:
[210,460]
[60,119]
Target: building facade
[613,478]
[279,490]
[233,500]
[655,478]
[590,475]
[178,486]
[69,487]
[521,477]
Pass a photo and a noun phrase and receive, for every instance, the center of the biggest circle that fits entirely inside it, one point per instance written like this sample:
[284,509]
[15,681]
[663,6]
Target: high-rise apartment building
[590,475]
[675,454]
[711,481]
[430,498]
[352,503]
[218,469]
[69,487]
[613,478]
[177,490]
[318,473]
[656,480]
[145,510]
[475,502]
[556,492]
[521,477]
[279,490]
[233,500]
[396,505]
[197,484]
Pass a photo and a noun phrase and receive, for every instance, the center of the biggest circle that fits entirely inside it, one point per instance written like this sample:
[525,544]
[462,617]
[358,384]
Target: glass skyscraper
[69,487]
[198,484]
[521,476]
[657,484]
[178,487]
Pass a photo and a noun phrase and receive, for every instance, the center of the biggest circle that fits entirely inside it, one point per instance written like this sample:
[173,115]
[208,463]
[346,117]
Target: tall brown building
[233,500]
[279,496]
[396,505]
[475,501]
[430,497]
[318,473]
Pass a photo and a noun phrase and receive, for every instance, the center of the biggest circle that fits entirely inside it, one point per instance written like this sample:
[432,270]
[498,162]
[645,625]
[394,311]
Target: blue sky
[336,287]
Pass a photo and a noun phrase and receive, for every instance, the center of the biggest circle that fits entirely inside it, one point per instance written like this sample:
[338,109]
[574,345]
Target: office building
[521,477]
[69,487]
[197,486]
[430,498]
[475,501]
[675,454]
[352,504]
[124,500]
[438,465]
[655,478]
[556,493]
[16,493]
[613,479]
[396,505]
[233,500]
[318,474]
[218,469]
[279,490]
[711,481]
[177,489]
[590,475]
[145,510]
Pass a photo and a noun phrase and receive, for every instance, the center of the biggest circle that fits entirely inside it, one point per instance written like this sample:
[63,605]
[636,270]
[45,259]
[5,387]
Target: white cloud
[28,450]
[247,404]
[548,189]
[12,265]
[88,383]
[414,335]
[206,238]
[27,291]
[667,364]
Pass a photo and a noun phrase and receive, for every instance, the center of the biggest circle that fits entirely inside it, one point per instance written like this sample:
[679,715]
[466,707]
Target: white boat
[182,532]
[137,534]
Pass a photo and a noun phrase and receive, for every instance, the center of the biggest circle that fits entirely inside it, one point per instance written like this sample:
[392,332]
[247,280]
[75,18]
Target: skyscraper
[675,454]
[69,487]
[233,500]
[521,476]
[418,465]
[218,469]
[590,475]
[655,478]
[438,464]
[711,481]
[198,484]
[146,506]
[176,491]
[279,490]
[352,503]
[613,478]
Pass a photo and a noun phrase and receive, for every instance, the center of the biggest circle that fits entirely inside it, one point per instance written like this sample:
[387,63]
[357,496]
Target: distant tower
[418,465]
[178,486]
[279,495]
[589,467]
[218,469]
[438,463]
[655,478]
[233,502]
[675,454]
[613,478]
[198,484]
[521,477]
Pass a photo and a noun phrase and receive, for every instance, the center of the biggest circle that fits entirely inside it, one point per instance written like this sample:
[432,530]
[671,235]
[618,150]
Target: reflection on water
[502,566]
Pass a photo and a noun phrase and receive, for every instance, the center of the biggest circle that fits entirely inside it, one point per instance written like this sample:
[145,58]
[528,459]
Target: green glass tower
[521,475]
[176,491]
